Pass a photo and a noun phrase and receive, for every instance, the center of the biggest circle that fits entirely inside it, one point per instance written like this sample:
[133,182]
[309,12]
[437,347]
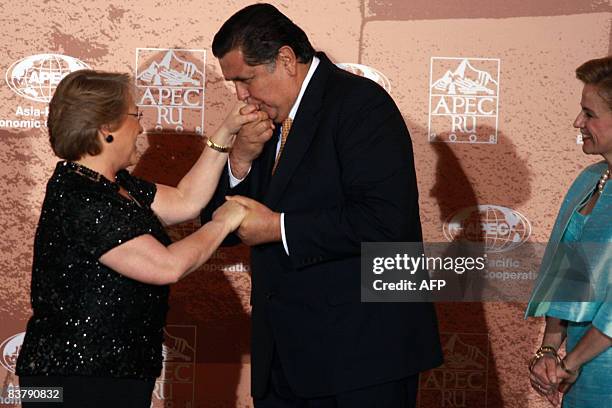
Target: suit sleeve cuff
[233,181]
[282,223]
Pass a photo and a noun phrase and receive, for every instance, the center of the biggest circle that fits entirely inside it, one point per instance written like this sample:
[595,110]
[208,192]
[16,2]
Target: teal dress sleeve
[603,317]
[574,279]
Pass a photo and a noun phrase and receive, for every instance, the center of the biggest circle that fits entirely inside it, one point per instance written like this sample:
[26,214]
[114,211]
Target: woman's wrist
[554,335]
[550,344]
[222,226]
[223,136]
[222,140]
[570,364]
[217,147]
[545,350]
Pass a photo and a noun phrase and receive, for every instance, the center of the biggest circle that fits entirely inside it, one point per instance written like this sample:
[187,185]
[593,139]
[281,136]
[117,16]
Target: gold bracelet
[542,351]
[219,148]
[547,349]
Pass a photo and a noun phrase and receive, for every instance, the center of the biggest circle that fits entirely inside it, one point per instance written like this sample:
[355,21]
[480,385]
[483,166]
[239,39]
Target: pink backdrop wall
[519,158]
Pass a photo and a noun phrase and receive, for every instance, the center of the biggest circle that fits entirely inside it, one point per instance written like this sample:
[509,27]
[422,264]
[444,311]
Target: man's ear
[287,59]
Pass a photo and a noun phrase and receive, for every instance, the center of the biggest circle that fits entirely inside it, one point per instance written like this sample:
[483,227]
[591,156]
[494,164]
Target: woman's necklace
[602,181]
[91,174]
[99,178]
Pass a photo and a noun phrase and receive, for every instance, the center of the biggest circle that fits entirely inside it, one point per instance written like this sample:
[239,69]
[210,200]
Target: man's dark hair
[259,31]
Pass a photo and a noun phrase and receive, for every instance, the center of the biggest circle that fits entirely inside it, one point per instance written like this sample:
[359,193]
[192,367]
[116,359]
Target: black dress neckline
[91,174]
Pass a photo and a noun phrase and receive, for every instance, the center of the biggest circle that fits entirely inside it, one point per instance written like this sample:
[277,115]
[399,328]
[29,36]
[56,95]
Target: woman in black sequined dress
[102,259]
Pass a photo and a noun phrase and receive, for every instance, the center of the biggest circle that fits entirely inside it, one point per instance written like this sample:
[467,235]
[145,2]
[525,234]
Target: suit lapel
[302,132]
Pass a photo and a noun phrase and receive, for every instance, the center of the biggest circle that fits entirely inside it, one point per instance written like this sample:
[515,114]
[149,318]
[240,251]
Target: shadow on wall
[469,175]
[214,298]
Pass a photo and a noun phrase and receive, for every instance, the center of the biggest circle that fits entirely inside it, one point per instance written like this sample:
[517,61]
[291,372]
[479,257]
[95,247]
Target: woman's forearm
[146,260]
[193,251]
[178,204]
[554,333]
[593,343]
[198,185]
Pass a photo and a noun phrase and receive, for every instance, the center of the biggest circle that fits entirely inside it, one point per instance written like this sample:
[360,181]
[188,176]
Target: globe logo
[367,72]
[36,77]
[500,229]
[9,350]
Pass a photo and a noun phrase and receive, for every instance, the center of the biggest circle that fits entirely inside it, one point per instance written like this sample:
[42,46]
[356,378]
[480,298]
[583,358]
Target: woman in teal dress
[573,290]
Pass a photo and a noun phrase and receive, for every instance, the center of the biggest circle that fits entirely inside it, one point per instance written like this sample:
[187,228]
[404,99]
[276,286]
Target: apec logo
[462,380]
[500,228]
[367,72]
[170,85]
[36,77]
[176,384]
[9,350]
[464,100]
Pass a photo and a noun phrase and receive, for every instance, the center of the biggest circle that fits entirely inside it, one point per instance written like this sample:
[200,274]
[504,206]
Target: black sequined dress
[88,319]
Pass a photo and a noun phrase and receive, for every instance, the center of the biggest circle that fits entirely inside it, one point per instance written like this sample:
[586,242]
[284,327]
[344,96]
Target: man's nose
[241,91]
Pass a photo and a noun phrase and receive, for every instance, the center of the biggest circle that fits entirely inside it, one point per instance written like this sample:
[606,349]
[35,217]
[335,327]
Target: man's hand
[249,143]
[260,225]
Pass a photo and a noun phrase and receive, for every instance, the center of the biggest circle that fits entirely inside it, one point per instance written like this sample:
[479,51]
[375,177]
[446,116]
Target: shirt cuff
[282,223]
[233,181]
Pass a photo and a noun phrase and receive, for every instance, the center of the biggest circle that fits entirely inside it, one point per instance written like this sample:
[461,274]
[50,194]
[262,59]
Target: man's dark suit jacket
[346,176]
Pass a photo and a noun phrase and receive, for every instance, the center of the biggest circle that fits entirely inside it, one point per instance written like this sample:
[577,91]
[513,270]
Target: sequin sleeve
[143,190]
[98,222]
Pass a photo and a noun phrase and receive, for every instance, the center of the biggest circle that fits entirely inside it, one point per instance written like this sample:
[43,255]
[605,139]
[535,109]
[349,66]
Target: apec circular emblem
[500,228]
[36,77]
[367,72]
[9,350]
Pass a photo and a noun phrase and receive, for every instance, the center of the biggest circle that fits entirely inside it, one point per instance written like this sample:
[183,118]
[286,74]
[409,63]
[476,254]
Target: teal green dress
[584,241]
[593,387]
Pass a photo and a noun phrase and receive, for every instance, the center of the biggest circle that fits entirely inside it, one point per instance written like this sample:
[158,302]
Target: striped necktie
[285,128]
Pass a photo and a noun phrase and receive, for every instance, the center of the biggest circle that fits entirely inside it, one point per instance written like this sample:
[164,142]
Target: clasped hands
[549,376]
[260,224]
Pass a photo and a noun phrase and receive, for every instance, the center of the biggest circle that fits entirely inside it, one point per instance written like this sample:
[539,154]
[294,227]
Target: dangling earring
[109,139]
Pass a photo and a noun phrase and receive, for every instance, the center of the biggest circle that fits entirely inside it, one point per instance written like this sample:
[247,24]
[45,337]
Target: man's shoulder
[352,93]
[343,84]
[346,82]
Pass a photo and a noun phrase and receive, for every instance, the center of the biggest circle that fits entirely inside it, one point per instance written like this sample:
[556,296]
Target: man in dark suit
[343,175]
